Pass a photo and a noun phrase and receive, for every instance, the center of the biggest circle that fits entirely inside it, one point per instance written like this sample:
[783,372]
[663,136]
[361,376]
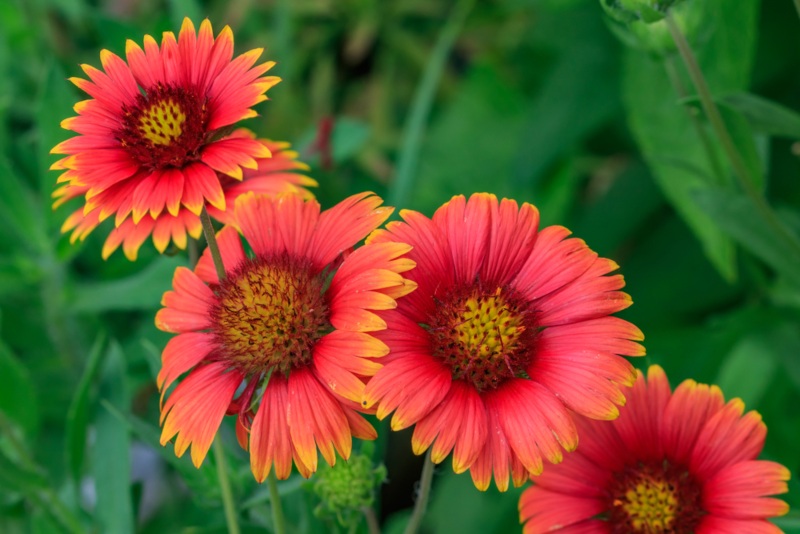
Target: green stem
[372,520]
[225,487]
[710,107]
[424,494]
[275,502]
[718,125]
[219,451]
[797,6]
[421,106]
[680,90]
[211,241]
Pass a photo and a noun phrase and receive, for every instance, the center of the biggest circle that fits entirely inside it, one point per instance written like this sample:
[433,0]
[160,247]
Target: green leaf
[736,215]
[764,115]
[78,412]
[141,291]
[748,370]
[17,394]
[742,136]
[111,461]
[680,161]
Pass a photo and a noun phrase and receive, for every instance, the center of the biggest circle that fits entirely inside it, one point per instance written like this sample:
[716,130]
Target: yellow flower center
[162,122]
[269,315]
[650,505]
[166,127]
[483,337]
[487,327]
[654,499]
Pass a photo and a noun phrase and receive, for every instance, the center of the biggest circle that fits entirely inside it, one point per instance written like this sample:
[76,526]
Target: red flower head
[508,329]
[153,136]
[289,326]
[672,463]
[273,175]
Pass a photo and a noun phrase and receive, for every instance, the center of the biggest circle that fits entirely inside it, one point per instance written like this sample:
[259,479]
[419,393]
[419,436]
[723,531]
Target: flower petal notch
[508,334]
[682,461]
[154,141]
[284,342]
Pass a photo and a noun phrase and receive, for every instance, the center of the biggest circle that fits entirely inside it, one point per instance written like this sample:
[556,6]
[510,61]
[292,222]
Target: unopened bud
[647,11]
[347,488]
[652,34]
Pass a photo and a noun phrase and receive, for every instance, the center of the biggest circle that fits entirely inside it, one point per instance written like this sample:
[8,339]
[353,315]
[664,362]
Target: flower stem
[424,94]
[422,499]
[746,181]
[680,89]
[278,520]
[211,240]
[372,520]
[219,452]
[225,487]
[797,5]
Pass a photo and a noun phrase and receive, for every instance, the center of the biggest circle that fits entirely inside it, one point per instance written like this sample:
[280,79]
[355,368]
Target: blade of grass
[421,106]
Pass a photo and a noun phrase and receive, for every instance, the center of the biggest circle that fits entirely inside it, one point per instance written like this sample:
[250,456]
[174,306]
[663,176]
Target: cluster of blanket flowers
[493,337]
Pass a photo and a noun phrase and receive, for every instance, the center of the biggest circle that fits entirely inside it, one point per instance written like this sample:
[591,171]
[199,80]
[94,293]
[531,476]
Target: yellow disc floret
[269,315]
[484,337]
[651,505]
[657,498]
[162,122]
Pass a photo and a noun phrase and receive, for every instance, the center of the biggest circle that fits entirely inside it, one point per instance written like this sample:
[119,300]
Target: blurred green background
[532,99]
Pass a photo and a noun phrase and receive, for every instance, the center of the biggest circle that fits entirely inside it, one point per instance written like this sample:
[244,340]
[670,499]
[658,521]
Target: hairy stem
[424,494]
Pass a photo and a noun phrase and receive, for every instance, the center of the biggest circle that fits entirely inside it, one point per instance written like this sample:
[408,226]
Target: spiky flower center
[654,499]
[484,337]
[269,314]
[161,123]
[166,127]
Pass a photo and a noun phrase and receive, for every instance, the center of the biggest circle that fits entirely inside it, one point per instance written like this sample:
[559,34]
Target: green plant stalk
[421,505]
[718,125]
[275,503]
[373,526]
[421,106]
[797,6]
[716,166]
[225,487]
[219,451]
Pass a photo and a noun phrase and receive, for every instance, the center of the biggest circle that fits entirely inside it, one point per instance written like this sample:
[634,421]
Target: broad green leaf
[17,394]
[742,136]
[764,115]
[736,215]
[110,454]
[748,370]
[664,131]
[78,413]
[140,291]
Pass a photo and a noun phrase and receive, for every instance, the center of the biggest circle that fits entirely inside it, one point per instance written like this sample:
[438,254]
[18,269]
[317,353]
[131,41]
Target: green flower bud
[346,488]
[647,11]
[655,37]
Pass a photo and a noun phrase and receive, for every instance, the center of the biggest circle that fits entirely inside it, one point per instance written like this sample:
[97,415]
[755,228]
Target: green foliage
[531,99]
